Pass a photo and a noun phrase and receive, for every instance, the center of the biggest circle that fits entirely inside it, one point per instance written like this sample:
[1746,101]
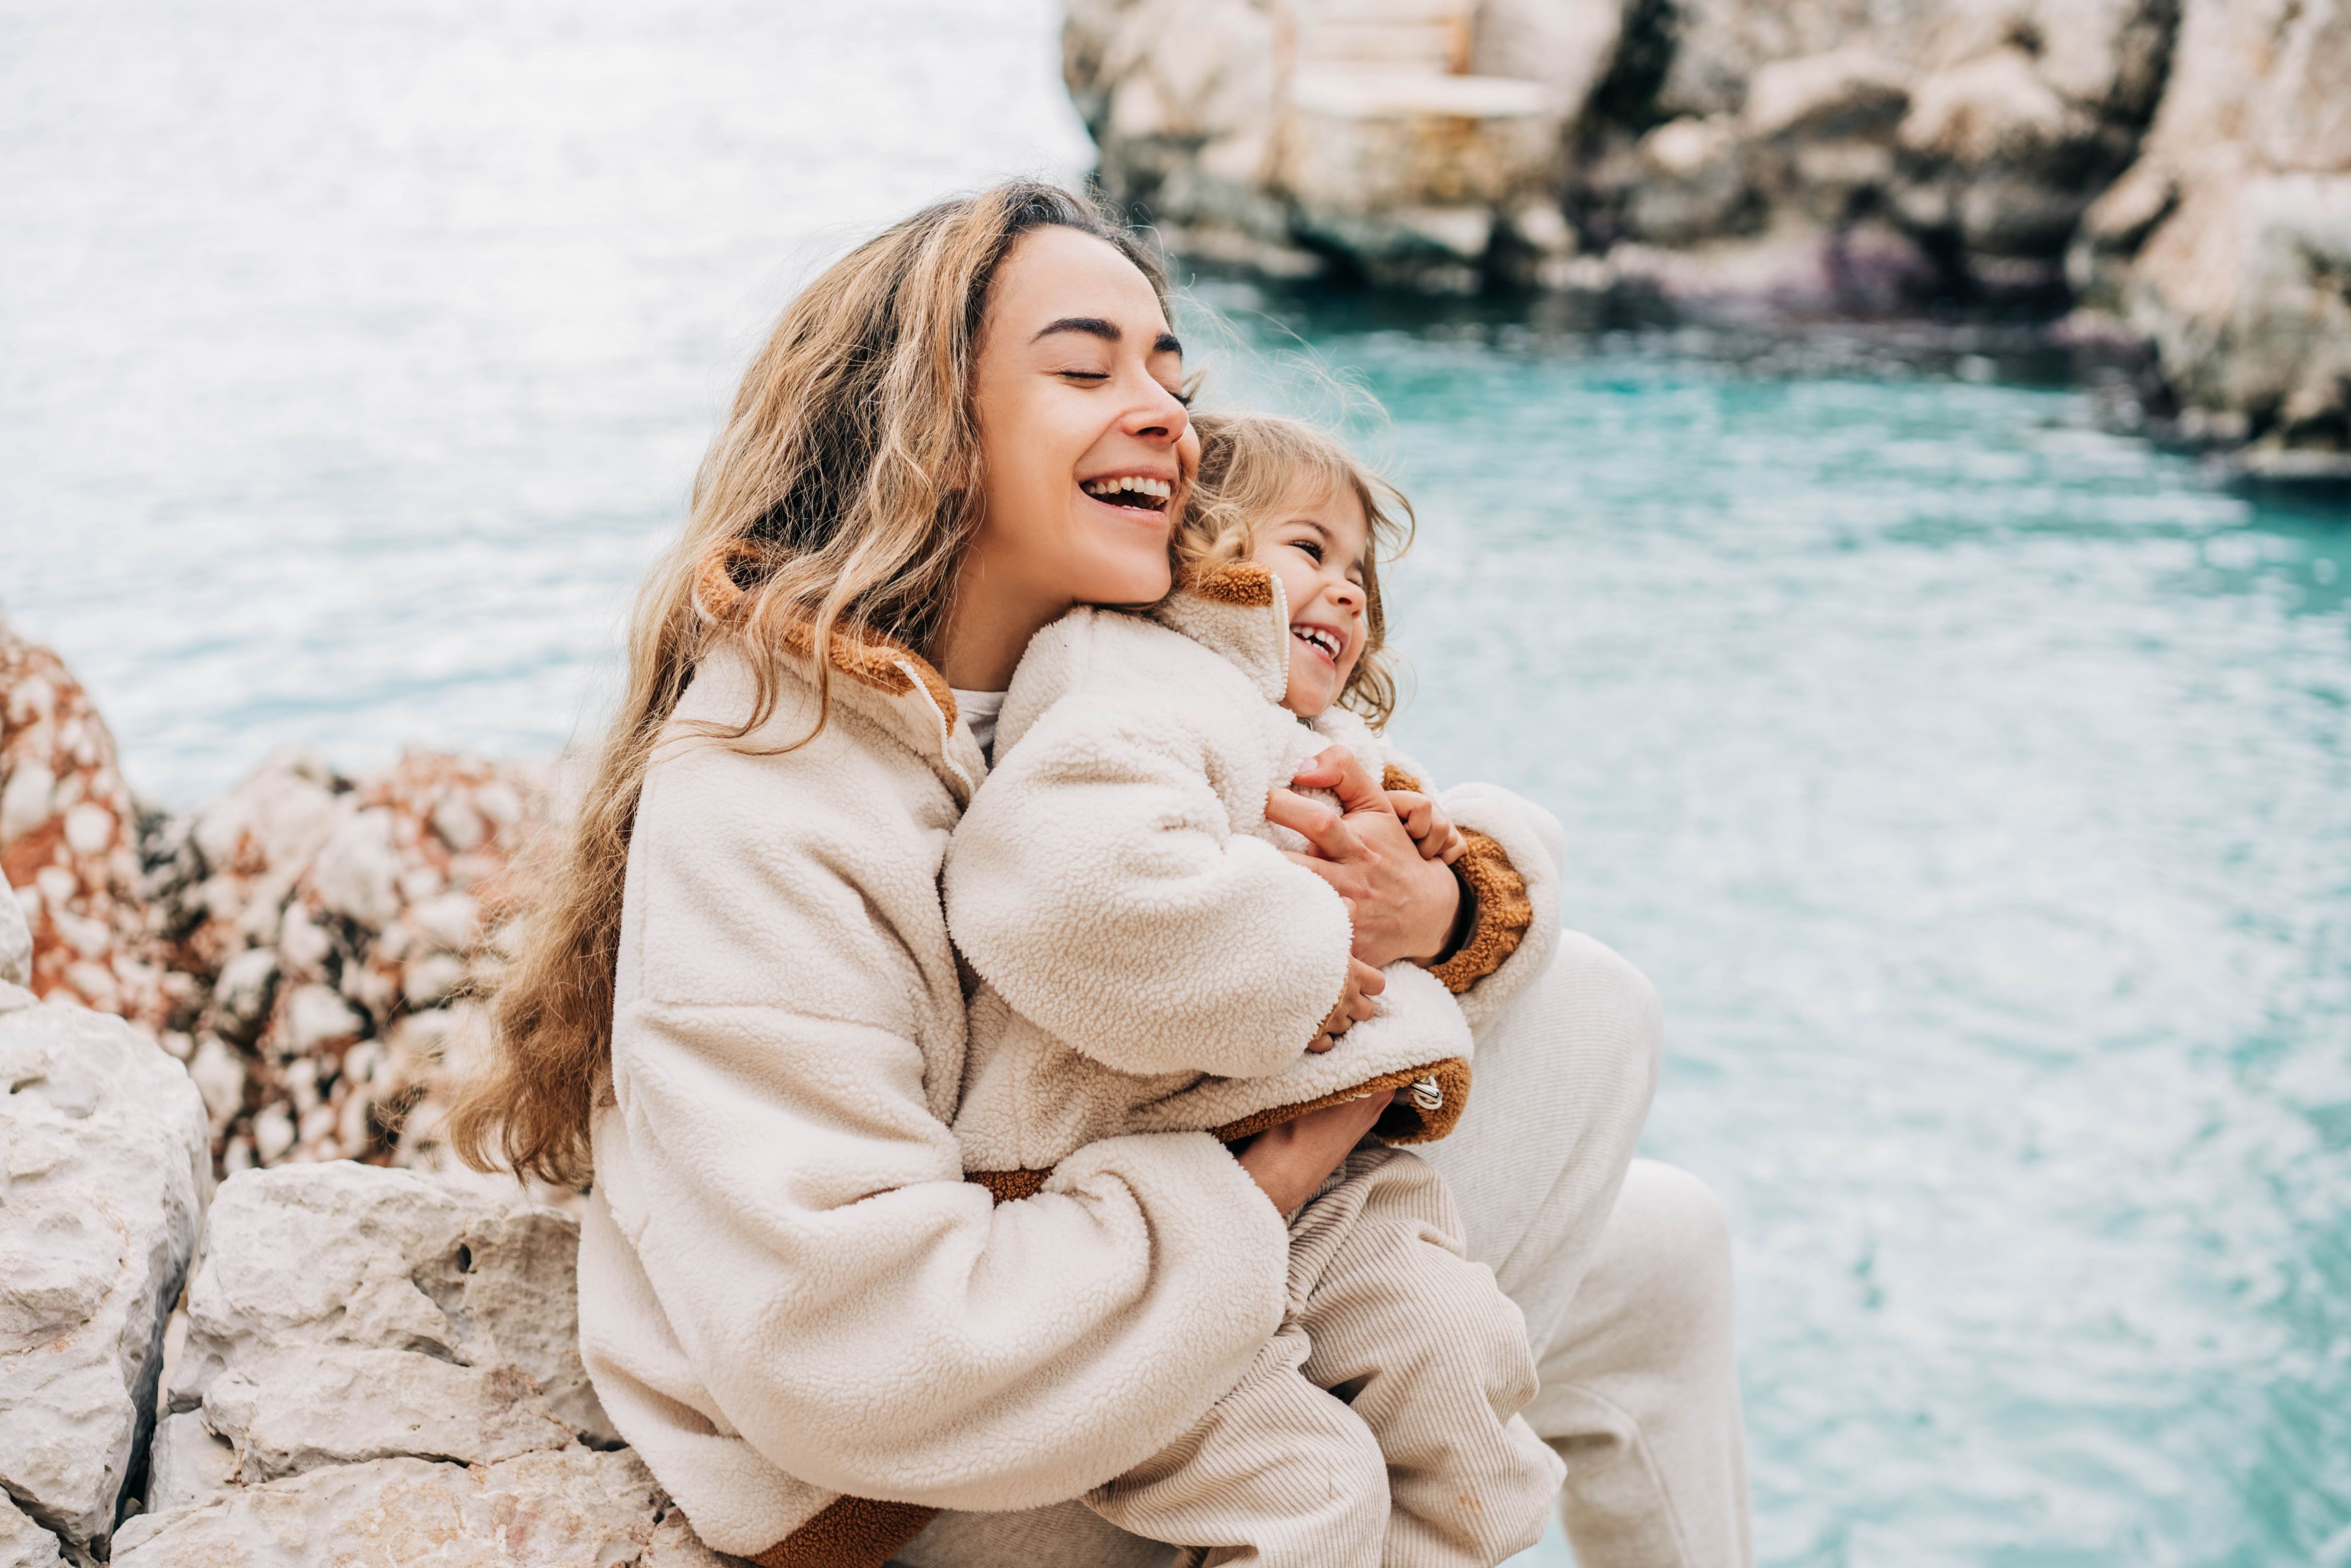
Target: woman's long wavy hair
[837,499]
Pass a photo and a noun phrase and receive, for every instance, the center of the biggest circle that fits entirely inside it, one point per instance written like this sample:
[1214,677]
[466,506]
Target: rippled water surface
[1974,785]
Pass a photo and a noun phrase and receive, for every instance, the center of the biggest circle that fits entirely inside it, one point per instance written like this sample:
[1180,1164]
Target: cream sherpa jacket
[1118,889]
[787,1291]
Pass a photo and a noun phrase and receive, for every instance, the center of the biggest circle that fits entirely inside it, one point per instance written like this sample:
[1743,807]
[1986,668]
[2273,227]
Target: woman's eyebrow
[1108,331]
[1091,326]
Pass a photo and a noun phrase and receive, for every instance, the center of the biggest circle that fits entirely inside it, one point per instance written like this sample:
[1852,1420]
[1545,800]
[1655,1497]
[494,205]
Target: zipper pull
[1427,1094]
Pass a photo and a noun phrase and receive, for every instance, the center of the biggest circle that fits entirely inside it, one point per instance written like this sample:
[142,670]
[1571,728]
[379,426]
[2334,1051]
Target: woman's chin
[1126,578]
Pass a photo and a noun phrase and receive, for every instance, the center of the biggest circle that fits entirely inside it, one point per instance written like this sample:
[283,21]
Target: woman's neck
[987,627]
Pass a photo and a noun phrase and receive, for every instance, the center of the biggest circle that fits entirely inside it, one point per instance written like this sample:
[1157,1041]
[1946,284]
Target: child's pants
[1380,1425]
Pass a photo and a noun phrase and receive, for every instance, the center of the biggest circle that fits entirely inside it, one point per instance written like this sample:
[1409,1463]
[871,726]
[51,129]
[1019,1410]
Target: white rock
[317,1014]
[569,1510]
[427,1318]
[357,873]
[276,818]
[241,996]
[187,1464]
[15,941]
[335,1403]
[23,1543]
[108,1166]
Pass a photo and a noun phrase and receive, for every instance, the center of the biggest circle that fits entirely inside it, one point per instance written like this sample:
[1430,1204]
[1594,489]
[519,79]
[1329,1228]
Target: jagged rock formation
[2186,168]
[2229,242]
[413,1387]
[104,1171]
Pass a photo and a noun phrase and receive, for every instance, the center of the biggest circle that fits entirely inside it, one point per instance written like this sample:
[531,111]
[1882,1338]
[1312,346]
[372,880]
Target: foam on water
[1974,785]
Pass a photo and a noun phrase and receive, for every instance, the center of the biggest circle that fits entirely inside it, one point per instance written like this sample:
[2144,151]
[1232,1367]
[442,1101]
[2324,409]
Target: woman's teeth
[1131,490]
[1316,637]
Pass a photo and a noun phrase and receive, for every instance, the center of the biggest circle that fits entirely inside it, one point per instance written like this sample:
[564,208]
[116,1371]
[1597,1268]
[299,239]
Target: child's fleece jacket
[1119,892]
[788,1291]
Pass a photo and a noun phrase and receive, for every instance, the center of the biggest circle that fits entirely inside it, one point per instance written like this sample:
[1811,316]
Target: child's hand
[1430,827]
[1364,983]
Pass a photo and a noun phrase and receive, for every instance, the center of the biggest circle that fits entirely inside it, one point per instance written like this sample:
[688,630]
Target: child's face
[1315,545]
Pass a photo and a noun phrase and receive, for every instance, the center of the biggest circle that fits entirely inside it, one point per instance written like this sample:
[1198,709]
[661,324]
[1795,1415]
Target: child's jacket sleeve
[1097,882]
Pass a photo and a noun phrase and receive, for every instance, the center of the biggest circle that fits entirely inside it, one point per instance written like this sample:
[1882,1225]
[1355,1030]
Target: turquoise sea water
[1974,785]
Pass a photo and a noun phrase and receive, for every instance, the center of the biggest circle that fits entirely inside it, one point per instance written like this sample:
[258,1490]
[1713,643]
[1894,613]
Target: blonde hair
[1251,463]
[831,508]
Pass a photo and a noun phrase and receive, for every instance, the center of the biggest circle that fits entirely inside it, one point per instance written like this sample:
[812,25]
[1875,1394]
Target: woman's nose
[1158,416]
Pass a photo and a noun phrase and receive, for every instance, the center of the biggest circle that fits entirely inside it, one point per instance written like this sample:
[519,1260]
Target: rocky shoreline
[228,1332]
[2169,174]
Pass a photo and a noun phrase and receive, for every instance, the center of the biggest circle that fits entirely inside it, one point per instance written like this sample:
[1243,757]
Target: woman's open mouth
[1136,492]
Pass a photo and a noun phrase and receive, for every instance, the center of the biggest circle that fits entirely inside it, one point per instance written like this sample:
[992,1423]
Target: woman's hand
[1430,827]
[1403,905]
[1288,1161]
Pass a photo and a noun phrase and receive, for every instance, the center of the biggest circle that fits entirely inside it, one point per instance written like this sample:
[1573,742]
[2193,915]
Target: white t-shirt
[979,710]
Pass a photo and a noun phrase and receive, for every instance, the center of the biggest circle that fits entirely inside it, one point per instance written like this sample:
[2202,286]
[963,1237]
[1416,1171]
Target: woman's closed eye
[1094,377]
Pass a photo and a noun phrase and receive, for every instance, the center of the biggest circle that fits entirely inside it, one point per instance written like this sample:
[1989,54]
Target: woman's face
[1085,451]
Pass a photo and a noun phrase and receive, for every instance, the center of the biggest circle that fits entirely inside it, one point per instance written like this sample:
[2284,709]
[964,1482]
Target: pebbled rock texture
[103,1177]
[69,845]
[335,930]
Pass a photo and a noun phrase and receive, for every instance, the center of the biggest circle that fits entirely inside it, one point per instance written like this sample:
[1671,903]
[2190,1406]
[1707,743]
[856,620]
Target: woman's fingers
[1312,821]
[1343,773]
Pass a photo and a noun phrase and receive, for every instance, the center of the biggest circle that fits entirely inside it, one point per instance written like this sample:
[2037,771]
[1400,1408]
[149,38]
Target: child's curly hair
[1250,464]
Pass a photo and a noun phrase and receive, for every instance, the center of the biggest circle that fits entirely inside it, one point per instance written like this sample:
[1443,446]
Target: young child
[1103,884]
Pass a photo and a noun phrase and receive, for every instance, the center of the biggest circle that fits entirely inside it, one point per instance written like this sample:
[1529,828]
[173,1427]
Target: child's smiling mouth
[1322,640]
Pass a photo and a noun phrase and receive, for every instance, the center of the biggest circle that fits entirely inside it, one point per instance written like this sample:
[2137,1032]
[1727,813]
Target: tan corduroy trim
[848,1532]
[1504,914]
[1240,583]
[1402,1122]
[878,661]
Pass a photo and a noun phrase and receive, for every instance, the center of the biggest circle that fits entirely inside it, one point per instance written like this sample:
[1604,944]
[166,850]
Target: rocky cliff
[2181,168]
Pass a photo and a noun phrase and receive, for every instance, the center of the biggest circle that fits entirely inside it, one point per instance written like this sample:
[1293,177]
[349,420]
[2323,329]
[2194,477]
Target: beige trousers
[1415,1457]
[1622,1268]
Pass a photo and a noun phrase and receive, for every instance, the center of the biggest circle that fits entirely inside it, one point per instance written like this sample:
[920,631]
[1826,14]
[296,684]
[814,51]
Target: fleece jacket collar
[888,683]
[1239,611]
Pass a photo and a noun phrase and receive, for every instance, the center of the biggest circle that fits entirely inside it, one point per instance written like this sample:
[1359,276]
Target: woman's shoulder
[786,773]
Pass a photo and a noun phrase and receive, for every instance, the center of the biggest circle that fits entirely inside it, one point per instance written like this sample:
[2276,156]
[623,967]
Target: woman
[740,1015]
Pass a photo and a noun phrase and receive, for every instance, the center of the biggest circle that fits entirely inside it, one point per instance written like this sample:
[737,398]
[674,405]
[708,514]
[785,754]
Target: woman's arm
[786,1045]
[1098,884]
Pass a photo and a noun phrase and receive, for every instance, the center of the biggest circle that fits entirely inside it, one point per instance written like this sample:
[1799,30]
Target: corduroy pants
[1621,1267]
[1415,1458]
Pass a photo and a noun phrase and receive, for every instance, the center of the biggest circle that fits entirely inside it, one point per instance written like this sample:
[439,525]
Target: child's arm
[1097,883]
